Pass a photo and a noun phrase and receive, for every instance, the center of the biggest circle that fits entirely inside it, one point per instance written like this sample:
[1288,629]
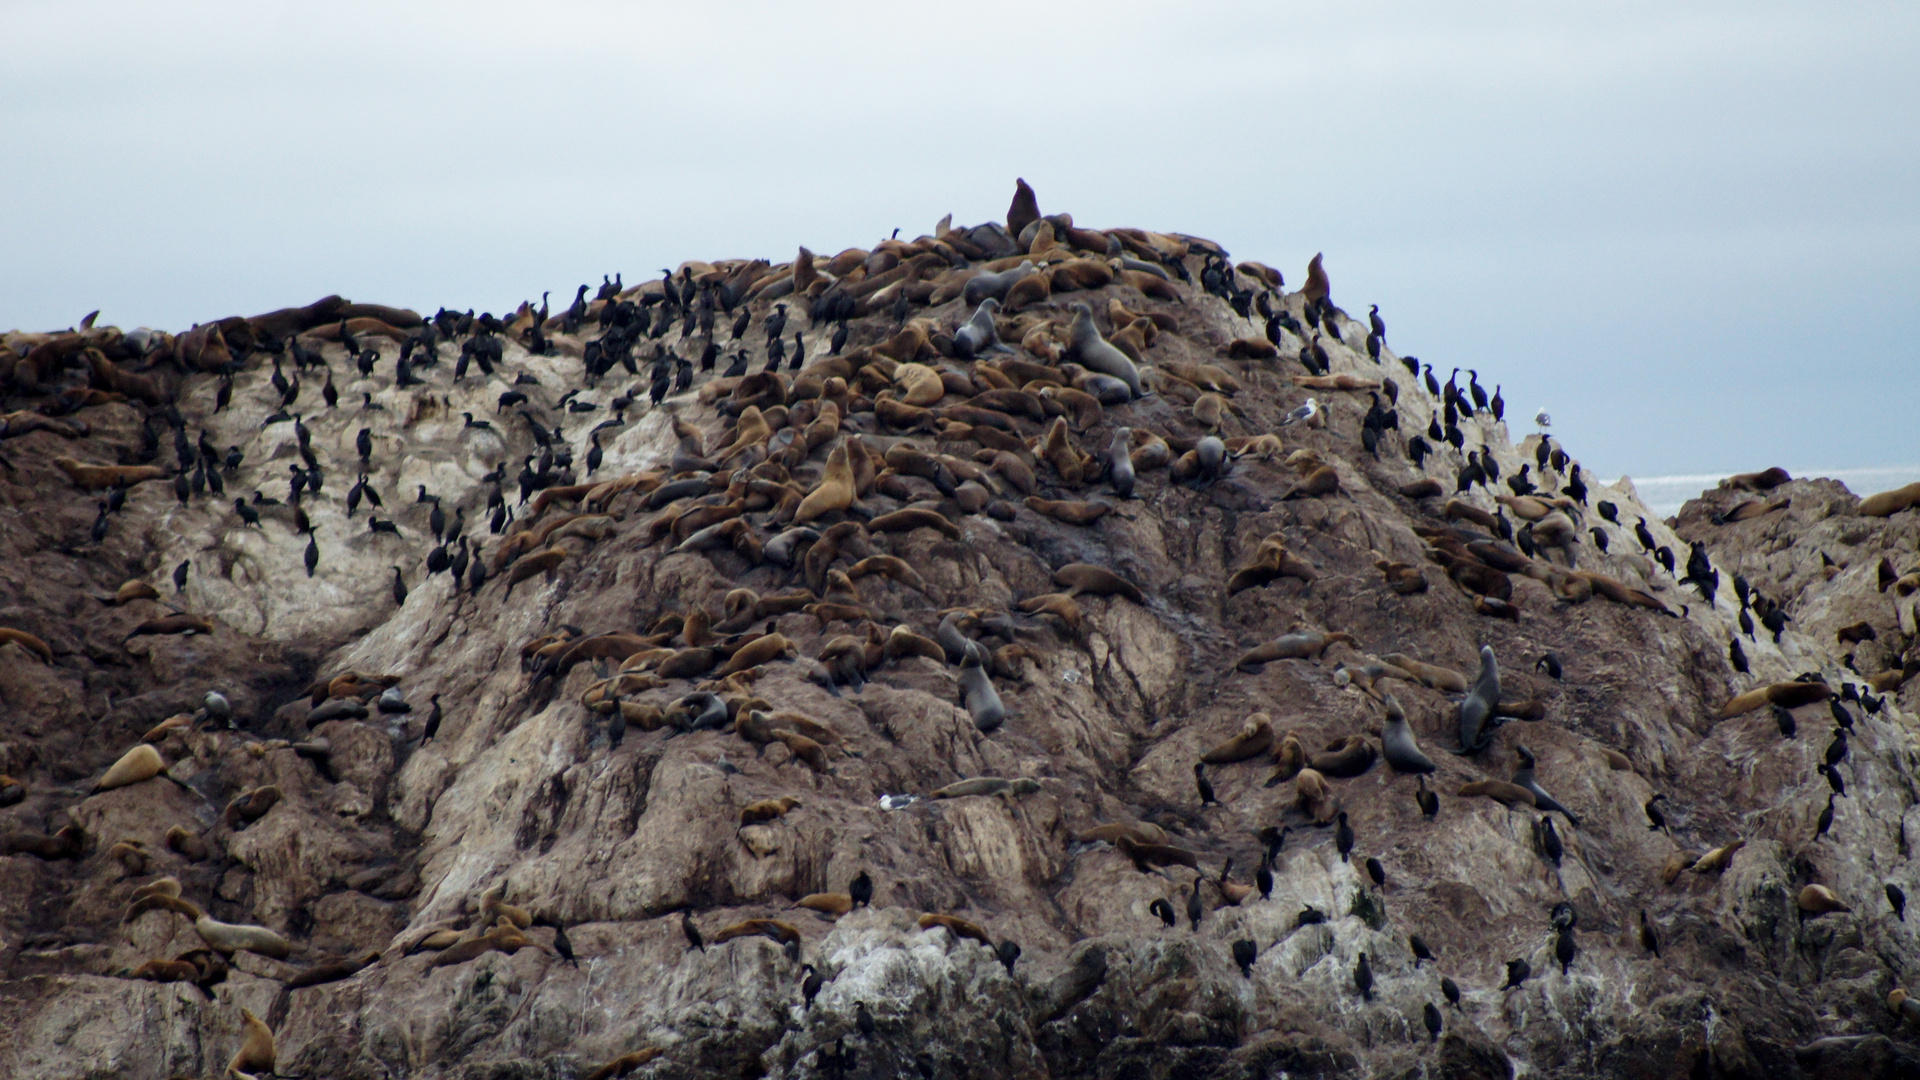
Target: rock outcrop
[656,641]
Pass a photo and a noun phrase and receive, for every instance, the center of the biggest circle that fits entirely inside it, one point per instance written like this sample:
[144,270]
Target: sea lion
[1120,471]
[493,908]
[625,1063]
[1820,900]
[1787,695]
[1145,855]
[993,285]
[533,565]
[804,749]
[764,649]
[835,491]
[1142,833]
[1096,581]
[1397,742]
[1313,794]
[1271,560]
[182,623]
[1523,776]
[1096,353]
[142,762]
[1432,676]
[189,846]
[504,936]
[830,903]
[1509,795]
[1253,739]
[958,927]
[1023,211]
[772,929]
[982,700]
[1344,758]
[256,1053]
[327,971]
[1298,645]
[1477,721]
[914,517]
[1718,858]
[978,335]
[987,785]
[1289,757]
[1889,503]
[99,477]
[27,641]
[225,937]
[1072,512]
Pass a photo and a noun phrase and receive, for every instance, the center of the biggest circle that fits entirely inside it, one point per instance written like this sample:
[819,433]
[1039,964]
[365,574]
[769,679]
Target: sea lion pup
[1271,560]
[1095,353]
[1141,833]
[1344,758]
[99,477]
[976,689]
[1253,739]
[1146,855]
[225,937]
[625,1064]
[987,785]
[1397,743]
[327,971]
[1508,795]
[256,1052]
[978,335]
[181,623]
[1094,580]
[1297,645]
[1523,777]
[142,762]
[1477,720]
[1787,695]
[1313,794]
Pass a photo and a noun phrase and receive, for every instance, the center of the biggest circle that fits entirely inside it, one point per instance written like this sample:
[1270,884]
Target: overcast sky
[1691,232]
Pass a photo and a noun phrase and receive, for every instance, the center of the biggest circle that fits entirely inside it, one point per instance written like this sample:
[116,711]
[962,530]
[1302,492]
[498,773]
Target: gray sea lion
[983,701]
[1120,462]
[1096,353]
[1397,743]
[979,335]
[1477,722]
[1523,776]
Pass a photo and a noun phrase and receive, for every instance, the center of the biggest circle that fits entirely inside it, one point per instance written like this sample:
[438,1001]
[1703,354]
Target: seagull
[1541,418]
[1304,413]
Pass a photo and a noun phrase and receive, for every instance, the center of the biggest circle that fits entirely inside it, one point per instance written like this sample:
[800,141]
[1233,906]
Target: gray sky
[1686,230]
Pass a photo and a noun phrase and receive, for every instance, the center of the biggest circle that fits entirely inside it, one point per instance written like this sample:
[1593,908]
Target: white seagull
[1541,418]
[1304,413]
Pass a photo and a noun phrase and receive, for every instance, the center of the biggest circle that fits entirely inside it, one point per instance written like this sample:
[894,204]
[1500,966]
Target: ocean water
[1664,495]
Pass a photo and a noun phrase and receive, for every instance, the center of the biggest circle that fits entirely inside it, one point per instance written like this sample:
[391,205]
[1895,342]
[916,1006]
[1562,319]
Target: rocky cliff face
[680,654]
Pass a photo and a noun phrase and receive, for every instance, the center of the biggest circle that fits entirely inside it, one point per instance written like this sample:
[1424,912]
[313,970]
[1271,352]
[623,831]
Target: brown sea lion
[1253,739]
